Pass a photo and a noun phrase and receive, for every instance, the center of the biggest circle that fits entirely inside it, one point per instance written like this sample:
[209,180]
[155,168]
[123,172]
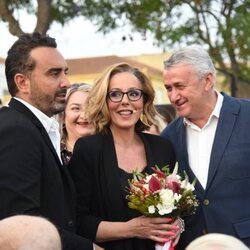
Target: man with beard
[32,178]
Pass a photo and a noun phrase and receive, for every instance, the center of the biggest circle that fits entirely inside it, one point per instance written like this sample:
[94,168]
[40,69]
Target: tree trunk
[233,81]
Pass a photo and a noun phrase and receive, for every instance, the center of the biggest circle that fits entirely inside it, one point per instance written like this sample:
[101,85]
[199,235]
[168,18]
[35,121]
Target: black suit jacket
[94,168]
[32,179]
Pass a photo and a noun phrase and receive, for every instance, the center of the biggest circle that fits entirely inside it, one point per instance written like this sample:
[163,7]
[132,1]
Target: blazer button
[206,202]
[70,223]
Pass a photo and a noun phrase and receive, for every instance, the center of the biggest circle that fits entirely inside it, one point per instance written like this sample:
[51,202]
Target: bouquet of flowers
[162,194]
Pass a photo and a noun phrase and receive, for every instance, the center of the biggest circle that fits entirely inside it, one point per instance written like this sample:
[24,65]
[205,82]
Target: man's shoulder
[232,99]
[10,116]
[236,105]
[172,126]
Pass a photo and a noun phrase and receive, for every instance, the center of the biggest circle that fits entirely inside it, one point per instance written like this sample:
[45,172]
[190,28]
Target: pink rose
[173,183]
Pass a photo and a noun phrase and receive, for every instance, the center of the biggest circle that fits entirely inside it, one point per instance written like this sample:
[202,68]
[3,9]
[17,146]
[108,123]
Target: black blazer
[32,179]
[94,168]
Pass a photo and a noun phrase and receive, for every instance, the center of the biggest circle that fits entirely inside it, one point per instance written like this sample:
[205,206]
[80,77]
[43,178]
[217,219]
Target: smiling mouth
[179,104]
[82,123]
[125,112]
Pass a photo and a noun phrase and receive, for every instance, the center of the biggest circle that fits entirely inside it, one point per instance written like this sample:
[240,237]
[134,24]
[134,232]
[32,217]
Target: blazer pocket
[243,229]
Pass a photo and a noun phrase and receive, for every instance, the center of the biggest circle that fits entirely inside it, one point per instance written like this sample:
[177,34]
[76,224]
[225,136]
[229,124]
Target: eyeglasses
[133,95]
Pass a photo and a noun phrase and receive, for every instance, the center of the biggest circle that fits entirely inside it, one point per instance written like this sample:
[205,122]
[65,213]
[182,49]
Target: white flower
[151,209]
[177,197]
[167,201]
[187,185]
[148,177]
[145,186]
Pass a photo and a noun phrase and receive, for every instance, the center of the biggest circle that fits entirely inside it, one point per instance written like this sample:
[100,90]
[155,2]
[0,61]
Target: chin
[58,108]
[85,133]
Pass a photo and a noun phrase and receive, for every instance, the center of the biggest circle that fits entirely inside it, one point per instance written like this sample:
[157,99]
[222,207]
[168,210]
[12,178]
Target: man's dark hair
[18,59]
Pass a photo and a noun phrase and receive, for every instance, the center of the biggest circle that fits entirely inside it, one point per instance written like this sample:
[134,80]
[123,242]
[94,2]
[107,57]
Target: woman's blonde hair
[97,111]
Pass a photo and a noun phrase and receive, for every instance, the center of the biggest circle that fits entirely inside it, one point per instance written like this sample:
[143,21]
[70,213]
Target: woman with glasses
[120,106]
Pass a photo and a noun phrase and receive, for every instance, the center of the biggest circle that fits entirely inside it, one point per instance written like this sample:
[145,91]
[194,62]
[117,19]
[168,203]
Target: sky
[79,38]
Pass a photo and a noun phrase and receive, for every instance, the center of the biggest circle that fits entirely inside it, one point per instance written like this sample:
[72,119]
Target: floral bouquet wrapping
[162,194]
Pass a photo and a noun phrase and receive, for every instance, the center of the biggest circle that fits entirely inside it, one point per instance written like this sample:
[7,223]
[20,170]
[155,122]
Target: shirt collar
[49,123]
[217,108]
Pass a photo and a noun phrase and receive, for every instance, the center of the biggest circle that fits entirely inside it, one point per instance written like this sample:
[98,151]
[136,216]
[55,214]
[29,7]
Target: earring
[144,119]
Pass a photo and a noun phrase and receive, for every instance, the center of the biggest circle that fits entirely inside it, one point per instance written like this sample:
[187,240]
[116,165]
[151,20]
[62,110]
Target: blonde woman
[120,106]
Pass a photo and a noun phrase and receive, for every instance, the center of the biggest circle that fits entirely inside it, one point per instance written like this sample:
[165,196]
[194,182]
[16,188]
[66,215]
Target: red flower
[154,184]
[159,173]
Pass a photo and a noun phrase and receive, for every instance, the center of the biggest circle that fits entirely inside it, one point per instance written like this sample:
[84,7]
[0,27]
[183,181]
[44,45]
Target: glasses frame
[125,93]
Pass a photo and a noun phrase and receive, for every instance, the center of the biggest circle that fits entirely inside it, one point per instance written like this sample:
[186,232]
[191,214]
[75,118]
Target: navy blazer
[32,179]
[94,168]
[225,203]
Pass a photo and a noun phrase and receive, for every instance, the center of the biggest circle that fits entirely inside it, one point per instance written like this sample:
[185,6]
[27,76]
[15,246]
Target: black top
[132,244]
[100,194]
[65,153]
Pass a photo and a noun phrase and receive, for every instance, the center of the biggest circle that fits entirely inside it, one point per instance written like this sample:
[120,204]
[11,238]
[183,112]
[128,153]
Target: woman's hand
[180,223]
[156,229]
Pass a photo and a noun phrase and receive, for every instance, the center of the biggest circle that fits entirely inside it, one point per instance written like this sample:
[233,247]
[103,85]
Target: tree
[222,26]
[46,12]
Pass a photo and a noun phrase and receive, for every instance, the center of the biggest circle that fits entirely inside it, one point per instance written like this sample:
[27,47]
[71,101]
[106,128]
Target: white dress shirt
[200,142]
[50,124]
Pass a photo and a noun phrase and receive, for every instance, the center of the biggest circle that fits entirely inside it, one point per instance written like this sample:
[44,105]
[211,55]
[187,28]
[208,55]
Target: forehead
[177,73]
[124,80]
[48,57]
[78,96]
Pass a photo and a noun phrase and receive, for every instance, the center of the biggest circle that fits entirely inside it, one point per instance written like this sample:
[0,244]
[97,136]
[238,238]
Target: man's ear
[209,81]
[22,83]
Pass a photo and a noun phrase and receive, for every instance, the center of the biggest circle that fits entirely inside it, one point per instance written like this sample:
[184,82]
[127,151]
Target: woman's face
[125,113]
[75,121]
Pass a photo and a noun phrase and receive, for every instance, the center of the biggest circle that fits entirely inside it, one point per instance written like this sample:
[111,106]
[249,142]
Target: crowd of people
[68,150]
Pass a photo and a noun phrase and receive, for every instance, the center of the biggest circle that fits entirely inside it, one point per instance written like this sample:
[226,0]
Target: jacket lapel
[228,116]
[18,106]
[183,157]
[111,179]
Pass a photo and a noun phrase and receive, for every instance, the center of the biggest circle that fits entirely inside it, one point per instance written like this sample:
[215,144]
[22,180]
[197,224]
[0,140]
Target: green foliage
[142,205]
[21,4]
[187,204]
[221,26]
[63,11]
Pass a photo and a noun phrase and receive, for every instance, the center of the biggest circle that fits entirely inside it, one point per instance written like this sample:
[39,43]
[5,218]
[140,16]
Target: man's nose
[173,95]
[65,82]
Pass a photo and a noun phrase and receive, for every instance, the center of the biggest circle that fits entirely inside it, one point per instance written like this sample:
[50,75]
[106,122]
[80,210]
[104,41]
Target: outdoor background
[94,34]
